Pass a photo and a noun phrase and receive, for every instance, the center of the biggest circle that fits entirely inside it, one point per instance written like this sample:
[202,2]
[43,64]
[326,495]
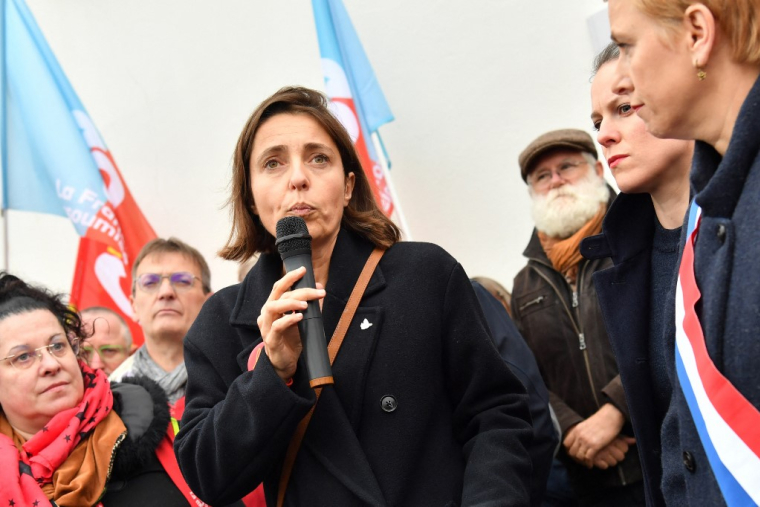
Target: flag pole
[4,130]
[379,149]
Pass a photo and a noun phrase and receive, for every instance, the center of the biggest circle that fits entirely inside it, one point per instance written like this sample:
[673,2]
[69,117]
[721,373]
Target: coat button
[721,232]
[388,403]
[688,462]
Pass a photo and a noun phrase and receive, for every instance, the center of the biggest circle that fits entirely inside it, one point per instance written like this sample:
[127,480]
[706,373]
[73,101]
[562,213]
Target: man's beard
[564,210]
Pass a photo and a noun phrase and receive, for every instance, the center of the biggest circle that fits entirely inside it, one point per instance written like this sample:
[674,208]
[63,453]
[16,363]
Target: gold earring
[701,74]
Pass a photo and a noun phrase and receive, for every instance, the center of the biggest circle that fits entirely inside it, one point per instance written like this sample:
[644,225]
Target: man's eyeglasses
[542,178]
[106,352]
[181,280]
[23,360]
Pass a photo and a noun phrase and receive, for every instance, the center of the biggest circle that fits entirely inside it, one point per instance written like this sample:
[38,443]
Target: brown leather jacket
[565,330]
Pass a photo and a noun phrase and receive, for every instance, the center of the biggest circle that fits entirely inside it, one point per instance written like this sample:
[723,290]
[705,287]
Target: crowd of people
[619,372]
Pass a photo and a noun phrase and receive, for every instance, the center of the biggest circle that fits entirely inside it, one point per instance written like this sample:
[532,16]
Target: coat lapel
[628,243]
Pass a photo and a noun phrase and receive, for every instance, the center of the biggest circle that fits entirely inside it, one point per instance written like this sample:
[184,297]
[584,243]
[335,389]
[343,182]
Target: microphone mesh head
[292,226]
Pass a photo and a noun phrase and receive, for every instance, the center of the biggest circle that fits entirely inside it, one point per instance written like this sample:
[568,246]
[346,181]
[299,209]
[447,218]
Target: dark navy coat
[727,265]
[624,297]
[727,268]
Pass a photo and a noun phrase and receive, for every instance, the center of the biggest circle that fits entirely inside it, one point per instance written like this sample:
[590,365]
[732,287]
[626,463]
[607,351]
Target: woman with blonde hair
[692,69]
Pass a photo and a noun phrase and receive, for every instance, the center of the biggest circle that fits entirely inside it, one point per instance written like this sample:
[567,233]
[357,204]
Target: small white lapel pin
[365,324]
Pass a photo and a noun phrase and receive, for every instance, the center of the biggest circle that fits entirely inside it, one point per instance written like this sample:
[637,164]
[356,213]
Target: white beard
[564,210]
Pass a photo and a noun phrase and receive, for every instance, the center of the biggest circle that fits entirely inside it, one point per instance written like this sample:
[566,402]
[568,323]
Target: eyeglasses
[60,347]
[181,281]
[106,352]
[542,178]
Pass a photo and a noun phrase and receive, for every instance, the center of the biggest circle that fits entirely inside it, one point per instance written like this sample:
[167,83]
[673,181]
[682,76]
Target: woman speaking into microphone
[423,411]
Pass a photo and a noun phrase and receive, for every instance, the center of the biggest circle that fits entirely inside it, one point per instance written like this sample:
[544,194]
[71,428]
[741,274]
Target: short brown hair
[173,245]
[362,215]
[738,20]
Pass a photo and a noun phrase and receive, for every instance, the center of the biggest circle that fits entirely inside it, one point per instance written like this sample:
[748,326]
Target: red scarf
[25,473]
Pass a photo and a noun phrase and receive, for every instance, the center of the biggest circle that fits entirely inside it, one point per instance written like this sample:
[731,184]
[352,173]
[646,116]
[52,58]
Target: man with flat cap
[554,304]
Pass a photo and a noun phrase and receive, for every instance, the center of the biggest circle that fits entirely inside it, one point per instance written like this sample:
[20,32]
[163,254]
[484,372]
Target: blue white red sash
[728,424]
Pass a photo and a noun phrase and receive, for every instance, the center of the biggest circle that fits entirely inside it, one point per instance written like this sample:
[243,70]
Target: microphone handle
[311,328]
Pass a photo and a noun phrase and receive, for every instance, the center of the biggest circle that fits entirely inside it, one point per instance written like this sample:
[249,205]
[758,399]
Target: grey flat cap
[573,139]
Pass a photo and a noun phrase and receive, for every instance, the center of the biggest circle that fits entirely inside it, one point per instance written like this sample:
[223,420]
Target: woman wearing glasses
[66,435]
[423,410]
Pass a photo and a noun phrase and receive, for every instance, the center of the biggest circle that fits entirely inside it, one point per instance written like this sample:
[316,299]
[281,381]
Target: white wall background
[170,83]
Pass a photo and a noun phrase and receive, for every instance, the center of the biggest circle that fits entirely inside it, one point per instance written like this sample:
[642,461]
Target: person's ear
[134,309]
[349,190]
[599,168]
[701,27]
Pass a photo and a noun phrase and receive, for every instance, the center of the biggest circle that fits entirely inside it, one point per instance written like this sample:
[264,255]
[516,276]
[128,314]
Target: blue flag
[355,95]
[50,164]
[55,162]
[338,42]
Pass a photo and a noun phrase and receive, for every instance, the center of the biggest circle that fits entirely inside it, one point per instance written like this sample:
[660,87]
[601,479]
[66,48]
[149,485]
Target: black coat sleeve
[237,424]
[491,416]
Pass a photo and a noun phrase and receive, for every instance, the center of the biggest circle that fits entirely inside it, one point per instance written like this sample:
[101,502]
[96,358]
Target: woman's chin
[662,129]
[629,185]
[58,401]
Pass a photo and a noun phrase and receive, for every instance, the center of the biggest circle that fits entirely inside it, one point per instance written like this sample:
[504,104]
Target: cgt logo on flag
[107,251]
[110,254]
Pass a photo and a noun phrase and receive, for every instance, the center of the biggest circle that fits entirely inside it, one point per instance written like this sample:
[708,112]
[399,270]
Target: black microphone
[294,244]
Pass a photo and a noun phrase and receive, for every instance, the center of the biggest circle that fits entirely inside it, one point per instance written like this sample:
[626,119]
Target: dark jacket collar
[348,258]
[626,230]
[719,182]
[535,251]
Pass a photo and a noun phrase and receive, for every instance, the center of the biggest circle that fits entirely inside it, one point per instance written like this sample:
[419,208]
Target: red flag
[108,250]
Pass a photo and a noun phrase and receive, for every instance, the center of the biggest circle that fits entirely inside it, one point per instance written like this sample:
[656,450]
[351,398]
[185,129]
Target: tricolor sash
[728,424]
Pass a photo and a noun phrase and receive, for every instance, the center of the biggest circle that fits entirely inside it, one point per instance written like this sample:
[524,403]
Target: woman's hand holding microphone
[279,318]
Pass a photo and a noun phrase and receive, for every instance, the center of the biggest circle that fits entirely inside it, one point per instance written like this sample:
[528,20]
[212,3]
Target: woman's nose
[608,134]
[48,363]
[298,178]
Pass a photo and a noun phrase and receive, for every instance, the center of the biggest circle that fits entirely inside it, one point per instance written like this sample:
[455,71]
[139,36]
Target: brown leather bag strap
[335,342]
